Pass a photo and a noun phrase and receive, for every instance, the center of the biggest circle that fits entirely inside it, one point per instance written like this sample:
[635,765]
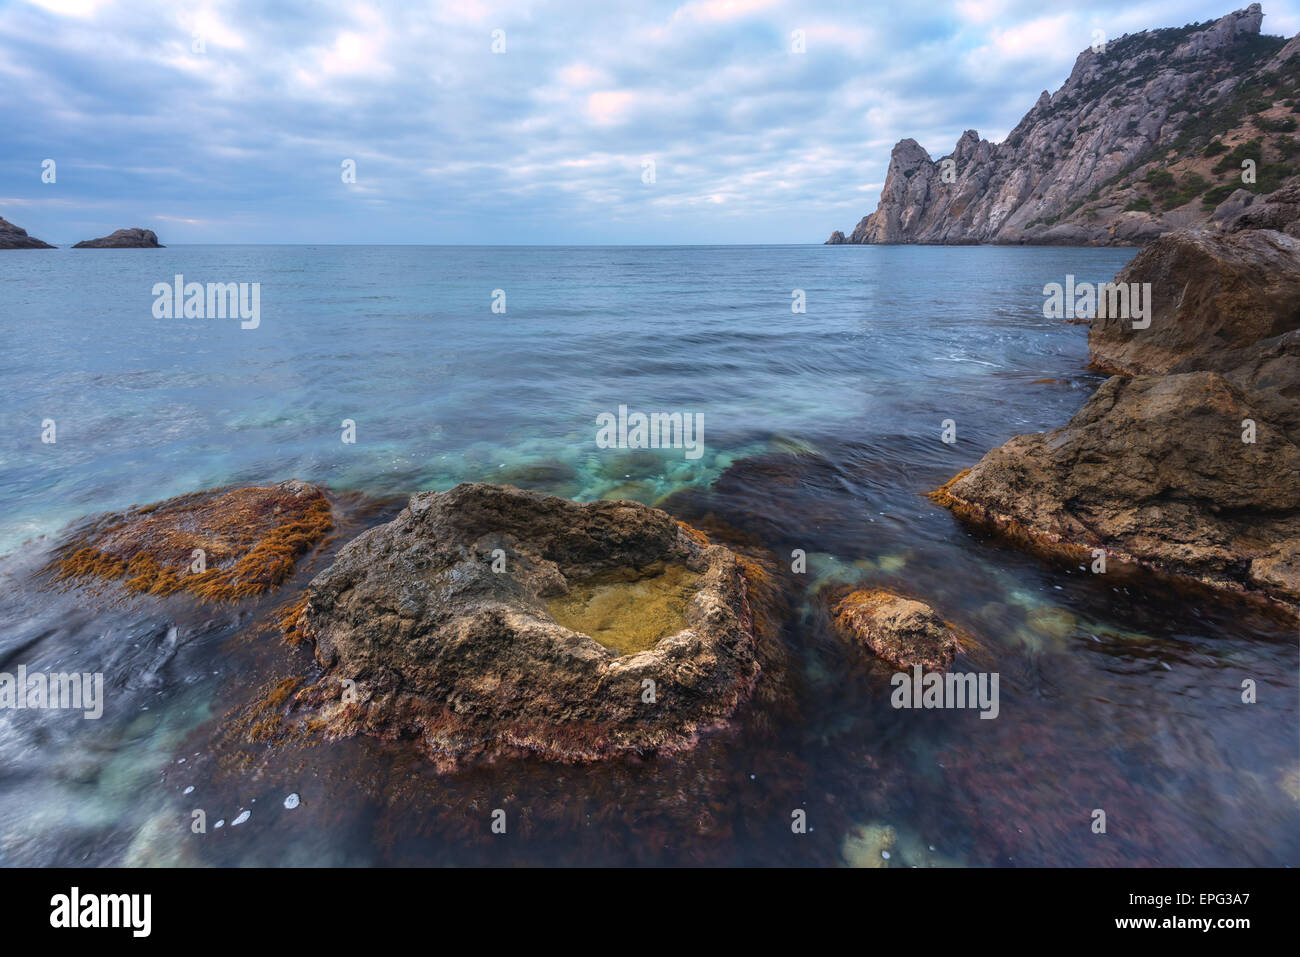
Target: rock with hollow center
[467,623]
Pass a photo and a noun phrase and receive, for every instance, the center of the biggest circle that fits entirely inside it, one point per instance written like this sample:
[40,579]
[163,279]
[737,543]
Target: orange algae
[249,538]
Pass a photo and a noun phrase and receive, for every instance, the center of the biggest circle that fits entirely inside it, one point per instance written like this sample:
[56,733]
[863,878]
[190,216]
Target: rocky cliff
[1148,134]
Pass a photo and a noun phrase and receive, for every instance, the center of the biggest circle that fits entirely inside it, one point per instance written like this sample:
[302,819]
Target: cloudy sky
[230,121]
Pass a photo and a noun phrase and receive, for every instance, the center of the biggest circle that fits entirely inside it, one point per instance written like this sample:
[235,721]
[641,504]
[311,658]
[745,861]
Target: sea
[833,387]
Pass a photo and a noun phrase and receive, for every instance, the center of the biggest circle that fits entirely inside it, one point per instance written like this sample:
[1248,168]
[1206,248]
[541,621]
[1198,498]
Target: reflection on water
[1118,691]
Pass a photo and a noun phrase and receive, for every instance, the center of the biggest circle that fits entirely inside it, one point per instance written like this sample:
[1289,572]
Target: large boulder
[123,239]
[1153,470]
[15,237]
[1280,211]
[487,619]
[1210,292]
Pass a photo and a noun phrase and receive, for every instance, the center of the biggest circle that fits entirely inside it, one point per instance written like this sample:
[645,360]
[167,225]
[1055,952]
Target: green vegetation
[1283,124]
[1251,149]
[1213,197]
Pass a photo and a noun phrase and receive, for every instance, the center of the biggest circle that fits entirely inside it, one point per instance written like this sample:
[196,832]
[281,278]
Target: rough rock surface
[1192,466]
[469,661]
[250,537]
[1210,292]
[1074,170]
[123,239]
[1279,211]
[901,630]
[15,237]
[1153,470]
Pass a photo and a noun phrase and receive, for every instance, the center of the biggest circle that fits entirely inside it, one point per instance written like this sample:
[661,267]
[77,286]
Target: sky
[228,121]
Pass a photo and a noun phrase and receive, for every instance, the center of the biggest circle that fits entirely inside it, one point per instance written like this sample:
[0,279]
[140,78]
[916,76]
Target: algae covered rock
[222,544]
[901,630]
[488,619]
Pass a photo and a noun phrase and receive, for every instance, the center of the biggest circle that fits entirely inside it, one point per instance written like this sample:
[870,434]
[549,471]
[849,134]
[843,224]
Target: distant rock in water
[15,237]
[1192,465]
[837,239]
[221,545]
[456,624]
[123,239]
[1148,134]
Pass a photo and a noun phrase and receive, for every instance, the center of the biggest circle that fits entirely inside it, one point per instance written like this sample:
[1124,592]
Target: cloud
[241,137]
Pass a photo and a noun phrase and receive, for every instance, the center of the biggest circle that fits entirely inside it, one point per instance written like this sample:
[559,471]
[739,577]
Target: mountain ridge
[1147,134]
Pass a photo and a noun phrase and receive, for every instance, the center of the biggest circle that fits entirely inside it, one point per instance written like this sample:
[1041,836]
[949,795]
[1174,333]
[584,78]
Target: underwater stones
[901,630]
[551,477]
[441,624]
[637,464]
[870,845]
[222,544]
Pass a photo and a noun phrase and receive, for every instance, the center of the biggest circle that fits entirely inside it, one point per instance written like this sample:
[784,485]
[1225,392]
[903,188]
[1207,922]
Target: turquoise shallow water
[821,432]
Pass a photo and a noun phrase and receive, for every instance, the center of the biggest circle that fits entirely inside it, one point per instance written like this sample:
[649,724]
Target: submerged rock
[123,239]
[221,545]
[15,237]
[442,625]
[900,630]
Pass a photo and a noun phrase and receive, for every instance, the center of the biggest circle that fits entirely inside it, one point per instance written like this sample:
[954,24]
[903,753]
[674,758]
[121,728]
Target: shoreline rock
[1153,471]
[134,238]
[15,237]
[1211,292]
[439,622]
[1188,461]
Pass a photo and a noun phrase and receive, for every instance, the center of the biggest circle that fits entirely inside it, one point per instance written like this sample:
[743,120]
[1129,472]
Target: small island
[123,239]
[15,237]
